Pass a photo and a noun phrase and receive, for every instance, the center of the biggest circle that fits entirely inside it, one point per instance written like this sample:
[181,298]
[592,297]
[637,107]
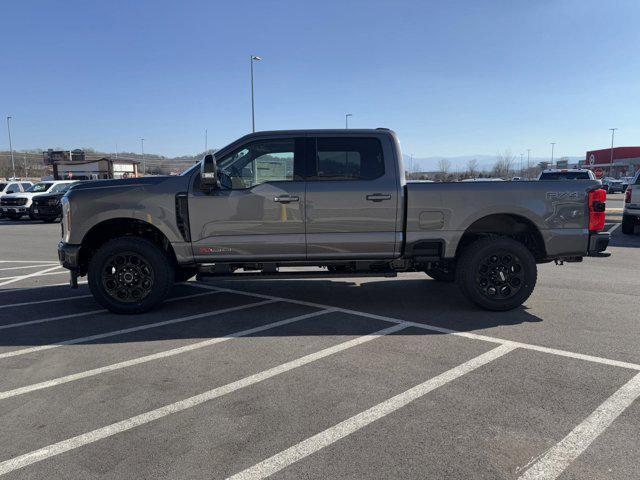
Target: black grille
[13,202]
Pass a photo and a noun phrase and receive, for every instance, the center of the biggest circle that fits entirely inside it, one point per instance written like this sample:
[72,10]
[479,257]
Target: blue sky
[451,78]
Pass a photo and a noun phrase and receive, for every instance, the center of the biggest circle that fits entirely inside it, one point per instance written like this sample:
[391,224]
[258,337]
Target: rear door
[352,198]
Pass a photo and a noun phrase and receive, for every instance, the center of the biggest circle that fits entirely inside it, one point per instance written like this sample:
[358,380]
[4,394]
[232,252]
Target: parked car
[626,181]
[612,185]
[12,186]
[567,174]
[17,205]
[331,198]
[631,211]
[47,207]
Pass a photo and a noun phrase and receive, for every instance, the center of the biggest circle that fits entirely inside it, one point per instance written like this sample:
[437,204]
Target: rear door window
[564,176]
[347,159]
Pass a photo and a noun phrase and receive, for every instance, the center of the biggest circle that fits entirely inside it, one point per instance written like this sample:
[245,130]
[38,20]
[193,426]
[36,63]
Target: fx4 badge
[209,250]
[563,195]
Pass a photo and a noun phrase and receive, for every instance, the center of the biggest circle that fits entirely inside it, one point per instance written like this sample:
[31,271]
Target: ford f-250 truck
[335,199]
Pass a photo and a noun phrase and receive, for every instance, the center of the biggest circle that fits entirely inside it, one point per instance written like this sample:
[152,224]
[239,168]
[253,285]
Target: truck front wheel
[130,275]
[496,273]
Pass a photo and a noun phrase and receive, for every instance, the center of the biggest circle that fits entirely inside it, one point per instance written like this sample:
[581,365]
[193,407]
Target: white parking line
[155,356]
[34,274]
[41,275]
[22,289]
[30,261]
[144,418]
[37,302]
[434,328]
[82,314]
[559,457]
[612,229]
[331,435]
[40,265]
[147,326]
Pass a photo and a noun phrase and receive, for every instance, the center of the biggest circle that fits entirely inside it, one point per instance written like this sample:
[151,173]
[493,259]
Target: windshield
[40,187]
[2,185]
[564,176]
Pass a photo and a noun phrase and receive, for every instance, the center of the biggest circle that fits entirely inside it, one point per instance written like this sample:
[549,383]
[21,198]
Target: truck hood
[125,182]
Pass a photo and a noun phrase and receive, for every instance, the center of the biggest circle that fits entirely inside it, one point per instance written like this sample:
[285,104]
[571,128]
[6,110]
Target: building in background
[626,161]
[102,168]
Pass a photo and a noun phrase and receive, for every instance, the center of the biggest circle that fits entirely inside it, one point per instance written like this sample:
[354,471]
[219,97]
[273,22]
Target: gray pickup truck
[335,199]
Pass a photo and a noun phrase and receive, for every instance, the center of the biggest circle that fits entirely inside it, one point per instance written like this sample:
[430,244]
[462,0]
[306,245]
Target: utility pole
[13,164]
[144,170]
[346,119]
[553,144]
[613,132]
[254,58]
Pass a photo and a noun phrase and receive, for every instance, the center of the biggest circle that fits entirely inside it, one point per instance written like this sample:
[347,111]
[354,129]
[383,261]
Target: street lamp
[528,161]
[144,170]
[346,119]
[254,58]
[553,144]
[613,132]
[13,164]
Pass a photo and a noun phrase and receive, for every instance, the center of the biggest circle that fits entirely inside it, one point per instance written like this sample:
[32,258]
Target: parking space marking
[559,457]
[37,302]
[34,274]
[124,331]
[332,434]
[155,356]
[41,275]
[612,229]
[22,289]
[39,265]
[81,314]
[30,261]
[72,443]
[433,328]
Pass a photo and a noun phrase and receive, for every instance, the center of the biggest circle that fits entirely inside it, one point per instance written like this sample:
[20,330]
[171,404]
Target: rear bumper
[598,242]
[69,256]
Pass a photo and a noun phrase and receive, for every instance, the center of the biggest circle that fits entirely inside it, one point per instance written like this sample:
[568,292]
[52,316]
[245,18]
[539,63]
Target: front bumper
[598,243]
[12,210]
[46,211]
[69,256]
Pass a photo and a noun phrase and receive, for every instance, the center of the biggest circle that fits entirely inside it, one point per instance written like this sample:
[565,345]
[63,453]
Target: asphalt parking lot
[348,378]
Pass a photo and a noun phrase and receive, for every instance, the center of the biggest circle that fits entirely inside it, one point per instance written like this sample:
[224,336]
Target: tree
[504,163]
[443,166]
[472,168]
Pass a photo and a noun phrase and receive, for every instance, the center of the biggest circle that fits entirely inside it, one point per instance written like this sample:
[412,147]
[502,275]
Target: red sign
[598,172]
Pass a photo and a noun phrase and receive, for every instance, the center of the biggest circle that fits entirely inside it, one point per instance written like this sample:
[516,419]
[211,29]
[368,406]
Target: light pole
[553,144]
[346,119]
[144,170]
[528,161]
[254,58]
[613,132]
[205,141]
[521,160]
[13,164]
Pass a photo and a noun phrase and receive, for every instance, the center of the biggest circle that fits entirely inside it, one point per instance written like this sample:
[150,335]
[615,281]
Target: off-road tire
[628,225]
[158,269]
[475,267]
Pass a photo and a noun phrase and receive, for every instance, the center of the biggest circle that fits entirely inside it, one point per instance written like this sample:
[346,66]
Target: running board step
[204,276]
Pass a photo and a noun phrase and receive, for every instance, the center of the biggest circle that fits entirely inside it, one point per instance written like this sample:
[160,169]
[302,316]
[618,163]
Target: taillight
[627,195]
[597,205]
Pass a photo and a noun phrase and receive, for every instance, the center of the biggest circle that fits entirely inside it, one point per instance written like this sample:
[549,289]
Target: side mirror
[209,173]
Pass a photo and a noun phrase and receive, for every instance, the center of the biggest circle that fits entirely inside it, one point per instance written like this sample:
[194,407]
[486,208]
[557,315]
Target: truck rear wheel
[496,273]
[628,225]
[130,275]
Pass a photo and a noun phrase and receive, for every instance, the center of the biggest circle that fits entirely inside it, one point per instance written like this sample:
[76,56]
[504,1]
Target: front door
[258,213]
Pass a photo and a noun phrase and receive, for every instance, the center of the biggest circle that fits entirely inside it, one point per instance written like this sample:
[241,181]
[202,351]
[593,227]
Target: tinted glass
[564,176]
[348,159]
[2,185]
[26,186]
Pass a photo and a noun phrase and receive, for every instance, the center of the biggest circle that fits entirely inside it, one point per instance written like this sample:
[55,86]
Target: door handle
[286,199]
[378,197]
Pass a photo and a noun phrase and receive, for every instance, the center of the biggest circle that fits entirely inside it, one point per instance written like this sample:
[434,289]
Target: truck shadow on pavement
[418,300]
